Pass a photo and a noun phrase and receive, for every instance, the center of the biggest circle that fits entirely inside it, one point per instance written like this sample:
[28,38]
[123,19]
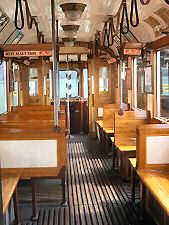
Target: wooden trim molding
[160,43]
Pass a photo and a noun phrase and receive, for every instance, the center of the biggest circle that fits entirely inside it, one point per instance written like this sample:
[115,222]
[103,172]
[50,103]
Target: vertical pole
[57,70]
[1,207]
[121,83]
[67,93]
[55,65]
[157,100]
[134,84]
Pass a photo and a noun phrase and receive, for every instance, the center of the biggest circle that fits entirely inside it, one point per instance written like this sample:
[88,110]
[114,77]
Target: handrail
[124,14]
[134,3]
[29,17]
[167,1]
[145,3]
[19,4]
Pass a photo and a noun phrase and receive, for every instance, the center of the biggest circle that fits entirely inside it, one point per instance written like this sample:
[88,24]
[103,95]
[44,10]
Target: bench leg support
[133,183]
[16,210]
[63,190]
[142,198]
[34,214]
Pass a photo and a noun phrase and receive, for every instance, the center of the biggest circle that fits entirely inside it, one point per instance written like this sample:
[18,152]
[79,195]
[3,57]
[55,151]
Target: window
[164,82]
[44,85]
[62,75]
[124,81]
[85,83]
[74,83]
[51,84]
[141,95]
[3,91]
[15,94]
[33,82]
[103,80]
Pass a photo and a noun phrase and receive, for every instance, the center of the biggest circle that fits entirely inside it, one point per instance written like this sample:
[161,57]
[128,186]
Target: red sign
[132,51]
[27,53]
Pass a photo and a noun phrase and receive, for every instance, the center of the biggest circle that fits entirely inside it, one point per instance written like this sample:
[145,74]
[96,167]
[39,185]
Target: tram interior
[84,112]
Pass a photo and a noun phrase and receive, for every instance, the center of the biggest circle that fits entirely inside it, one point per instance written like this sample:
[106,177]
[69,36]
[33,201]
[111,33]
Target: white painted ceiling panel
[92,19]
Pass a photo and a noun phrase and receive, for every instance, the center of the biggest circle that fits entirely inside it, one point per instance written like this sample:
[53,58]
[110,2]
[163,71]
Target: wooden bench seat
[125,138]
[108,121]
[152,166]
[157,183]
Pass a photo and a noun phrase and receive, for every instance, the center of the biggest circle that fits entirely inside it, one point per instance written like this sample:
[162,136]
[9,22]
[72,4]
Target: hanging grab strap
[106,36]
[110,31]
[143,2]
[167,1]
[124,13]
[134,4]
[19,5]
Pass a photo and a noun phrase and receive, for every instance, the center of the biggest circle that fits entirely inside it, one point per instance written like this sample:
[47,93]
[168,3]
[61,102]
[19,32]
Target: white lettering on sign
[132,52]
[27,53]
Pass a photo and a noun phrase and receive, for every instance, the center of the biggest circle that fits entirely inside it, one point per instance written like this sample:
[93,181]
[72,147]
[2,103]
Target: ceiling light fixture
[68,42]
[70,30]
[73,11]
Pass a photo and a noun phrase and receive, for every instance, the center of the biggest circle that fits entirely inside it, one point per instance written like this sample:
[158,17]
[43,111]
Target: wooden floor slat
[95,195]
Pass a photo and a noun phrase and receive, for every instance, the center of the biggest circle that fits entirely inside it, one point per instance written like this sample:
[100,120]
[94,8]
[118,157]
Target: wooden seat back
[109,112]
[31,118]
[38,152]
[125,126]
[36,108]
[152,150]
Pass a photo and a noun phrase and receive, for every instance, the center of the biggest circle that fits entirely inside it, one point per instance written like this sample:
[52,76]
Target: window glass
[85,82]
[74,83]
[51,84]
[3,91]
[124,81]
[103,80]
[62,84]
[141,95]
[15,94]
[164,82]
[33,82]
[45,85]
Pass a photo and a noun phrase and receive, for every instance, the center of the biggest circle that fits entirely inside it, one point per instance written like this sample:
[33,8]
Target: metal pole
[68,106]
[57,70]
[55,65]
[121,83]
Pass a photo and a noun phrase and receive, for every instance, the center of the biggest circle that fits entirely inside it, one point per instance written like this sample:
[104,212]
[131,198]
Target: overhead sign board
[27,53]
[132,51]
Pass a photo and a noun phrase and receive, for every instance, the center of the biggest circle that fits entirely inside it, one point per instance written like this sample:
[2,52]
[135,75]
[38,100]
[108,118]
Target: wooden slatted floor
[95,193]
